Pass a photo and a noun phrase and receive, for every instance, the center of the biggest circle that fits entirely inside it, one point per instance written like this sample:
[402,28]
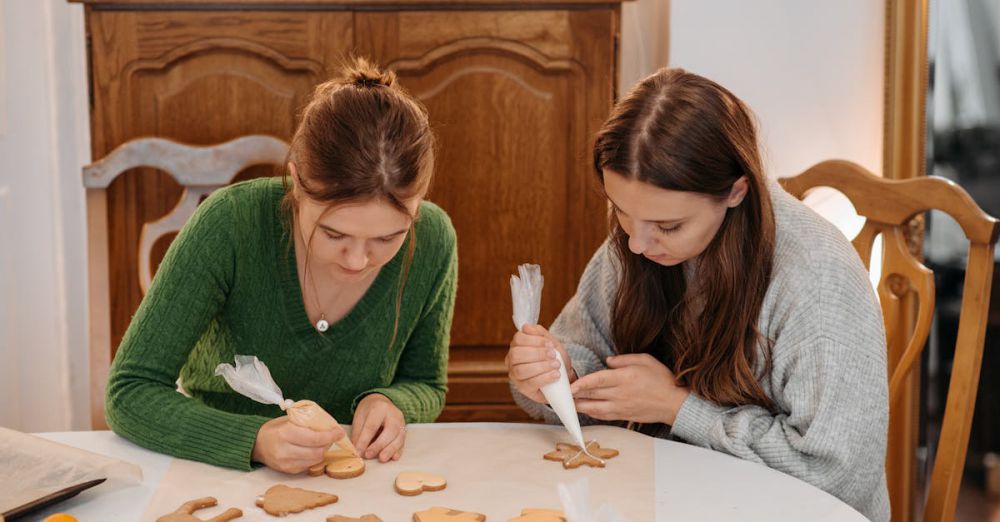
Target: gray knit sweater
[829,364]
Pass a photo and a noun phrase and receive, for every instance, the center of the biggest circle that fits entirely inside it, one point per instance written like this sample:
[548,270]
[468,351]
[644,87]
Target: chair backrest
[905,284]
[199,171]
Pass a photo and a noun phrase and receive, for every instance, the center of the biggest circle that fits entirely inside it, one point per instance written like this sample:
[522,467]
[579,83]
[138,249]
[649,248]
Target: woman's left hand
[635,387]
[379,429]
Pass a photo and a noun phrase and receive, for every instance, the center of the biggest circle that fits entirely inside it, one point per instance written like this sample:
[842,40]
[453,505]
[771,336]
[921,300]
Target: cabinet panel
[515,98]
[200,78]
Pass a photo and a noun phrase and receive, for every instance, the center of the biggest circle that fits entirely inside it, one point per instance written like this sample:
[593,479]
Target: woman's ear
[292,172]
[738,192]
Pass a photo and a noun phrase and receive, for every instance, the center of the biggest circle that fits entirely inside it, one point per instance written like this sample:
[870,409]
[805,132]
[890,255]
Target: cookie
[340,464]
[412,483]
[540,515]
[364,518]
[441,514]
[185,513]
[281,500]
[572,456]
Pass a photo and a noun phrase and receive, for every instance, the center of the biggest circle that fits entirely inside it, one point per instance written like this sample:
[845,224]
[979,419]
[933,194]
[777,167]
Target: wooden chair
[199,170]
[905,284]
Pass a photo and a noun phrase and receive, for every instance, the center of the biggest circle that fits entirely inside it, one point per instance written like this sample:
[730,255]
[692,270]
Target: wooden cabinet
[515,90]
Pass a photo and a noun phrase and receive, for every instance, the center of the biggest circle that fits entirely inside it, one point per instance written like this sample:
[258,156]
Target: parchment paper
[493,470]
[32,467]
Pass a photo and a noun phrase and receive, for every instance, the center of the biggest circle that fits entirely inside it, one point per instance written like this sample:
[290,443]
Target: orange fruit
[60,517]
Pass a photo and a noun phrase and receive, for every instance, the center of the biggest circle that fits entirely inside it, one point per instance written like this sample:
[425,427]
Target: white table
[691,484]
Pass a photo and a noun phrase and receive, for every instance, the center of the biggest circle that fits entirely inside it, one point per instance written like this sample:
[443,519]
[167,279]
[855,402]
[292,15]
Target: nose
[638,242]
[356,256]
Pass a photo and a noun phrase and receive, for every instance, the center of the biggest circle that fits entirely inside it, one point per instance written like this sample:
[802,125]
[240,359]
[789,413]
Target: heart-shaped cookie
[412,483]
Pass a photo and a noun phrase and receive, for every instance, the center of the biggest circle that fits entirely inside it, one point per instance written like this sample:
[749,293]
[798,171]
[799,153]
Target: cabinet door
[515,98]
[196,77]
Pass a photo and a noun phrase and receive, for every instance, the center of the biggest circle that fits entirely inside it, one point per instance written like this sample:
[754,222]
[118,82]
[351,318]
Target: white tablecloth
[690,483]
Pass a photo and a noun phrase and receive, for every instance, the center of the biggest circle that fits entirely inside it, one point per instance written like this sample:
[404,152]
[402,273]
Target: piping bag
[526,292]
[251,378]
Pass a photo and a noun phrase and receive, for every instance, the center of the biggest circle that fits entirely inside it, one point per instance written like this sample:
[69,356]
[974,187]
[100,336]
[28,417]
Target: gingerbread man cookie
[572,456]
[364,518]
[340,464]
[540,515]
[442,514]
[185,513]
[281,500]
[412,483]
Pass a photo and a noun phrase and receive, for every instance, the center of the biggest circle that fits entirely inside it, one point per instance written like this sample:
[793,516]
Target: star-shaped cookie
[572,456]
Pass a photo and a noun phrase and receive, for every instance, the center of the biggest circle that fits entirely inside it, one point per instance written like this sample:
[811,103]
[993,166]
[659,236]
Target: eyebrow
[663,222]
[339,233]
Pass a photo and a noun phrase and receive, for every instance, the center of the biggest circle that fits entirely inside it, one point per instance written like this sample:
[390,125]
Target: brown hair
[361,137]
[680,131]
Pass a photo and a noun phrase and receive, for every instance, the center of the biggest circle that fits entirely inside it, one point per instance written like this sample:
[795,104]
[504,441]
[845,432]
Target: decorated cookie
[412,483]
[540,515]
[281,500]
[441,514]
[340,464]
[573,457]
[185,513]
[364,518]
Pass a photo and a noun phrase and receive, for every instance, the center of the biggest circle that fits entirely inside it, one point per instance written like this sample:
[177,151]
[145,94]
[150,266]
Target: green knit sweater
[229,285]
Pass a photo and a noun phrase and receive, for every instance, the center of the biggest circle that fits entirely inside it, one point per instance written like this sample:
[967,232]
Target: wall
[43,142]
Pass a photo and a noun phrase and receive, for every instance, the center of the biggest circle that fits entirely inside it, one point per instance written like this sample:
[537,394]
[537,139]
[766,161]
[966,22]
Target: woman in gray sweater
[720,311]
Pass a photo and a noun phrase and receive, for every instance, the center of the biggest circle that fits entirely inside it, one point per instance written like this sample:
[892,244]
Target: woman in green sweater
[340,278]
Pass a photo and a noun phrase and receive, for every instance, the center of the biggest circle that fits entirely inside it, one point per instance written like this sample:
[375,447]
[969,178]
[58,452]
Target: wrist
[674,405]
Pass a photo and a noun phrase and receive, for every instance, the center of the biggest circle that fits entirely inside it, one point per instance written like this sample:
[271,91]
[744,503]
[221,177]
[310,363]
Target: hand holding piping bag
[251,378]
[310,415]
[526,292]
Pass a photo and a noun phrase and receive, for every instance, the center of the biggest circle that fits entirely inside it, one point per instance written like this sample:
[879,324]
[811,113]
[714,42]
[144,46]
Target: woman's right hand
[287,447]
[531,361]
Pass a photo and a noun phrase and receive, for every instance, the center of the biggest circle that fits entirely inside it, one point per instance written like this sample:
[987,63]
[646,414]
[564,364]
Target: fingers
[310,438]
[529,354]
[364,430]
[599,379]
[600,410]
[600,394]
[392,438]
[525,371]
[535,329]
[523,339]
[631,359]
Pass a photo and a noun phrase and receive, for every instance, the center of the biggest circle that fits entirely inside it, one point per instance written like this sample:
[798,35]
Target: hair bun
[364,74]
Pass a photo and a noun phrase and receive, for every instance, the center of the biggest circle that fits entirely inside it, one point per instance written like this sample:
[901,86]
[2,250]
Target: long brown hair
[680,131]
[362,137]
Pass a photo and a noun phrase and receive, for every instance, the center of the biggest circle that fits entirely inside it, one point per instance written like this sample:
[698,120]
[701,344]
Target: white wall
[44,140]
[643,41]
[813,71]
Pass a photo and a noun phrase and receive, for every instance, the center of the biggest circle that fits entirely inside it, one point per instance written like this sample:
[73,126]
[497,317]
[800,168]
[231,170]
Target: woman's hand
[635,387]
[531,361]
[286,447]
[379,429]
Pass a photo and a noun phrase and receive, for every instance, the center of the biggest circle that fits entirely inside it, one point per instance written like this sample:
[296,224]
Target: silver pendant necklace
[322,325]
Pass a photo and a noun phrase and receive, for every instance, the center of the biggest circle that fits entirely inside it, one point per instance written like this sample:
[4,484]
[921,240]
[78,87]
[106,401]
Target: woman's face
[668,227]
[353,240]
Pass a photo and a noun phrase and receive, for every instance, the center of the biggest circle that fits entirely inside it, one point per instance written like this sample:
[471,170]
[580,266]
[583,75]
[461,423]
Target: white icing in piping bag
[526,292]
